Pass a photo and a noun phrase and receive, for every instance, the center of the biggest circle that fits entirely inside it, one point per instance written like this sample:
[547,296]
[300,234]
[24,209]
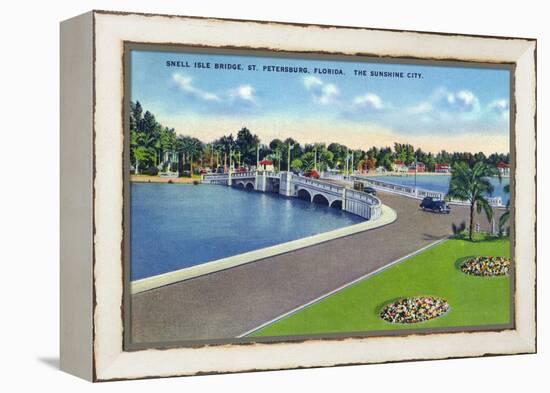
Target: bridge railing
[332,176]
[363,196]
[210,177]
[419,193]
[373,204]
[272,174]
[317,184]
[243,174]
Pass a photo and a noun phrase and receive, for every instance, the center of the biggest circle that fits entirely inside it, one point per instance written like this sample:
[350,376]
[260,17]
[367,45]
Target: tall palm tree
[190,146]
[471,184]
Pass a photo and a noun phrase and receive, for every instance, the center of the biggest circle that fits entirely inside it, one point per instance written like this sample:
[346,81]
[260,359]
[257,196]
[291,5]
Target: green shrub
[151,171]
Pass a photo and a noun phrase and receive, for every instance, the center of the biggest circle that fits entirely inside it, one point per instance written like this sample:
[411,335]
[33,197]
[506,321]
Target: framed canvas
[247,195]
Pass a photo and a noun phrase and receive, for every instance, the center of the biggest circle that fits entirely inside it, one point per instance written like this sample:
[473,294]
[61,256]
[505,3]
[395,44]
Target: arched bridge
[314,190]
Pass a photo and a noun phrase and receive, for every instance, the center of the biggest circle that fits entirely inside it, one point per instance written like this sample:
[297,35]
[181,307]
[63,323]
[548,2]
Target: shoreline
[189,180]
[158,179]
[408,174]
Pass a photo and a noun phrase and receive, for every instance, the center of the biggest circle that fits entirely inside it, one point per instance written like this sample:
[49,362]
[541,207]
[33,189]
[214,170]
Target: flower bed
[486,266]
[414,309]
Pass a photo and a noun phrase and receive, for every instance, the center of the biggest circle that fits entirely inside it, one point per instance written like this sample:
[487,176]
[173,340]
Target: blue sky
[436,108]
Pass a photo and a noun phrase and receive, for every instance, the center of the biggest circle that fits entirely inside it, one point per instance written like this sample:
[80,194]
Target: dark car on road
[435,205]
[370,190]
[361,186]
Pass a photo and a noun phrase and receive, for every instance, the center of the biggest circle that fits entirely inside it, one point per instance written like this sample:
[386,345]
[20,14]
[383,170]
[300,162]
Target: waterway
[440,183]
[174,226]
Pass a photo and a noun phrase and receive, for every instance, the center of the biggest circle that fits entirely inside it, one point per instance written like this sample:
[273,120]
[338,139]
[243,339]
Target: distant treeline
[154,146]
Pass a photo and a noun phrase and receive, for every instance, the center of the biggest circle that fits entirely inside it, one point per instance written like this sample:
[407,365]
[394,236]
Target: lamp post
[315,158]
[347,163]
[230,159]
[415,169]
[288,157]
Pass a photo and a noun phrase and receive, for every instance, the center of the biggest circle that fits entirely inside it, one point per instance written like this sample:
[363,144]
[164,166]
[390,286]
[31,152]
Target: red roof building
[442,168]
[265,165]
[420,167]
[503,168]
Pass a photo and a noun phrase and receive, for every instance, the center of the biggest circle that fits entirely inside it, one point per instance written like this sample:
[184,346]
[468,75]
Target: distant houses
[503,168]
[442,168]
[400,167]
[418,168]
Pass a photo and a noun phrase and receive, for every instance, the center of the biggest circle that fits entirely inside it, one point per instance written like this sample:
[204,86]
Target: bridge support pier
[285,185]
[260,181]
[344,200]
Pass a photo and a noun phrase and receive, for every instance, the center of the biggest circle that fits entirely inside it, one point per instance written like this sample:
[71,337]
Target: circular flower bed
[414,309]
[486,266]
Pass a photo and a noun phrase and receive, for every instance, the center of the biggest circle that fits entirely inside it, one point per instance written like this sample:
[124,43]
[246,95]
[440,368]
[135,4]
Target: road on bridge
[229,303]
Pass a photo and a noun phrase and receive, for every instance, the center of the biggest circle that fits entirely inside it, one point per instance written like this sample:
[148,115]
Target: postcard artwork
[274,196]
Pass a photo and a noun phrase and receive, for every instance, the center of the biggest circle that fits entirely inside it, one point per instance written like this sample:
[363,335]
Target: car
[370,190]
[435,205]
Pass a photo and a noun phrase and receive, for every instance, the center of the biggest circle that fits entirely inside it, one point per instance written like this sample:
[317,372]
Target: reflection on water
[174,226]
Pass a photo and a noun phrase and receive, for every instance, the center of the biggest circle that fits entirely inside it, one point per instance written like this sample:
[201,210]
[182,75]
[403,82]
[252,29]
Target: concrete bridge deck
[231,302]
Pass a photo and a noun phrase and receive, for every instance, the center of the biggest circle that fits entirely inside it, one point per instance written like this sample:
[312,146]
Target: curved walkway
[228,303]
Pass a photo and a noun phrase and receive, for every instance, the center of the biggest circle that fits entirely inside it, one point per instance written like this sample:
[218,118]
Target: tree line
[155,147]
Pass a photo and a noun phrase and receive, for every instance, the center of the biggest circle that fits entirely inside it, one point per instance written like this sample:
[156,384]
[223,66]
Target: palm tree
[190,146]
[308,161]
[472,184]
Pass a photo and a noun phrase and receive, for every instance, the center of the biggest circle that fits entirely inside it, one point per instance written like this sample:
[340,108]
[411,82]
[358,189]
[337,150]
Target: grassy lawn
[473,300]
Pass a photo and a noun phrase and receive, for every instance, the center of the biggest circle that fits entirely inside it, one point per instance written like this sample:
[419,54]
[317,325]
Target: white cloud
[369,101]
[500,107]
[243,92]
[445,104]
[311,82]
[420,108]
[466,101]
[322,93]
[456,101]
[241,97]
[185,84]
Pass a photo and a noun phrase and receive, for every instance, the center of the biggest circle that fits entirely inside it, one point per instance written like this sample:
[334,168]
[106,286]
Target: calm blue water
[440,183]
[174,226]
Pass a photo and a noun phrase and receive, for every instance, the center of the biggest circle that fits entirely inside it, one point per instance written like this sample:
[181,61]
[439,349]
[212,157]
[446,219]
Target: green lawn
[473,300]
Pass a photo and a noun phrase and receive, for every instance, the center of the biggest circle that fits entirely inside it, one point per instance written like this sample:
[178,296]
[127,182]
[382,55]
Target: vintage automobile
[435,205]
[370,190]
[360,186]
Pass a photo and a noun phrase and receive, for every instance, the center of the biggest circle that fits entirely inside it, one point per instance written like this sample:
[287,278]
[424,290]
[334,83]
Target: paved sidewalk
[228,303]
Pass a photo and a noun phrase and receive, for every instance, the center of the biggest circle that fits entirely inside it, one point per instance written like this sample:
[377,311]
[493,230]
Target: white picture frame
[92,198]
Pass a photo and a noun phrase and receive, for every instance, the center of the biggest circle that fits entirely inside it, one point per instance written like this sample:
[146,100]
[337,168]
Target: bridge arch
[304,194]
[337,204]
[249,186]
[320,199]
